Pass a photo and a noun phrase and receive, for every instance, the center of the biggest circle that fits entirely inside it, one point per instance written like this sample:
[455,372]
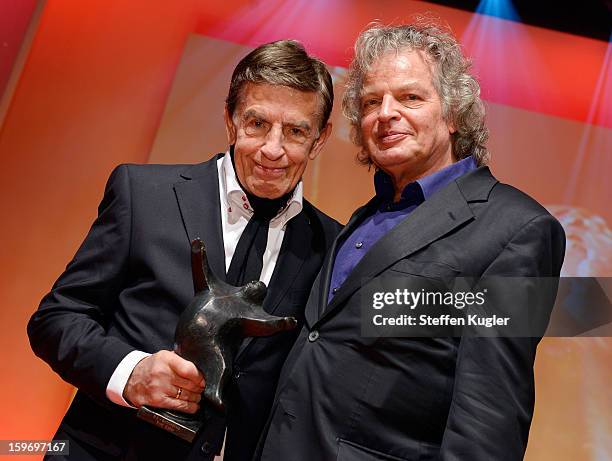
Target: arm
[69,329]
[493,395]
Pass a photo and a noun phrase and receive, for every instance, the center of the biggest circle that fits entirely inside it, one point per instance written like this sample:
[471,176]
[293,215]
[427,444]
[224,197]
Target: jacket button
[358,245]
[206,448]
[237,373]
[313,336]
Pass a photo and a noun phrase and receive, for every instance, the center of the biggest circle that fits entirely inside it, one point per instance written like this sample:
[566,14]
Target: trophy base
[182,425]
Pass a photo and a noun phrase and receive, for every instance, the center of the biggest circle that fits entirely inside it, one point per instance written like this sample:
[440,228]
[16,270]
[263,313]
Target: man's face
[402,127]
[275,131]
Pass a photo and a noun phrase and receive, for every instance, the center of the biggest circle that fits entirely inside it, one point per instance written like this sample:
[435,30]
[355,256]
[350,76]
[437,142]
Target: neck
[404,175]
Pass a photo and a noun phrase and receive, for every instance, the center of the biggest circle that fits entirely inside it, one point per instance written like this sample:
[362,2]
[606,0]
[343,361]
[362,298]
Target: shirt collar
[423,188]
[434,182]
[238,203]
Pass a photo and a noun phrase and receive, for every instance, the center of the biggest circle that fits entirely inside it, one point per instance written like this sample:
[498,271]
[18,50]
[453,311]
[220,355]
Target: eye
[255,126]
[296,134]
[257,123]
[411,97]
[370,102]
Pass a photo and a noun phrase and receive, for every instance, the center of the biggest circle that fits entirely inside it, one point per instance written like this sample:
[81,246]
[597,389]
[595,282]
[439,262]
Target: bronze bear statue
[209,333]
[213,325]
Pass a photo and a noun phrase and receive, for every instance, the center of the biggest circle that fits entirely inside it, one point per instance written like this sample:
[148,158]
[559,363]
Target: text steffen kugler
[415,299]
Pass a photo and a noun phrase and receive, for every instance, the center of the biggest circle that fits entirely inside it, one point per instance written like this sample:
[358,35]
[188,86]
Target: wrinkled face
[402,126]
[275,131]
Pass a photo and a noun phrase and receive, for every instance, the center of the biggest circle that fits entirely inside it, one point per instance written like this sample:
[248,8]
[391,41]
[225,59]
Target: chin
[396,155]
[266,193]
[391,159]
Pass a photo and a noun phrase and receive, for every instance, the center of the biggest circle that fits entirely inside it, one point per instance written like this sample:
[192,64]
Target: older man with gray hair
[107,325]
[438,214]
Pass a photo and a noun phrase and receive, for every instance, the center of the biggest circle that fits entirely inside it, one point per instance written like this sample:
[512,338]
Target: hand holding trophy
[209,333]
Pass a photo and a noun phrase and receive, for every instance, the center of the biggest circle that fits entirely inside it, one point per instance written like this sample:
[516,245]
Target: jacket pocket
[351,451]
[431,269]
[427,270]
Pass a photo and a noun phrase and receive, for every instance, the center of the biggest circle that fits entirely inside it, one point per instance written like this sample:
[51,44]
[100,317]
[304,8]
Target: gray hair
[286,63]
[458,90]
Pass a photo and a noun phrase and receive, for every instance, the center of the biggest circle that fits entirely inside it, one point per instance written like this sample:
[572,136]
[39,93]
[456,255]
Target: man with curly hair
[438,214]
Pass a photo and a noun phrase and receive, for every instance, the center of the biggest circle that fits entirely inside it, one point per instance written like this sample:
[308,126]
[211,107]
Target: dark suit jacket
[126,287]
[342,396]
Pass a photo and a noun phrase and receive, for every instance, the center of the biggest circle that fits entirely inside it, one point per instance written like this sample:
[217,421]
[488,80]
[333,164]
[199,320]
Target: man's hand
[156,380]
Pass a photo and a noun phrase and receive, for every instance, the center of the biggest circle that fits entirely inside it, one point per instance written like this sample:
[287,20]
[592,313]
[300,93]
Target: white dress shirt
[235,214]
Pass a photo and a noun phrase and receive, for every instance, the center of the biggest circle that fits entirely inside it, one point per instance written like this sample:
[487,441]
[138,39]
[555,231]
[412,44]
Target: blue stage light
[499,8]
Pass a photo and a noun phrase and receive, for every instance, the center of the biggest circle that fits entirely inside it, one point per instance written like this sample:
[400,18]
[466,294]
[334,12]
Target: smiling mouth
[391,137]
[268,172]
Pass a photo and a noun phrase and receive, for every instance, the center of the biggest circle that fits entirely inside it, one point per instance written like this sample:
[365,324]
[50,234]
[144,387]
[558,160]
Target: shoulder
[505,205]
[524,228]
[151,172]
[151,175]
[518,209]
[531,241]
[515,199]
[510,229]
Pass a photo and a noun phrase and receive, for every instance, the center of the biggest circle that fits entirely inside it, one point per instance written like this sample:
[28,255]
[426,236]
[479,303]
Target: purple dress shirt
[389,214]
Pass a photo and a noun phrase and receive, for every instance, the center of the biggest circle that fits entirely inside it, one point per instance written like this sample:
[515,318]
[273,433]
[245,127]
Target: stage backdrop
[92,84]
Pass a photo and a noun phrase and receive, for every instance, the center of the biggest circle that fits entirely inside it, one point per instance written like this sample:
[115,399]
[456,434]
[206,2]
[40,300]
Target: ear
[320,141]
[451,127]
[230,128]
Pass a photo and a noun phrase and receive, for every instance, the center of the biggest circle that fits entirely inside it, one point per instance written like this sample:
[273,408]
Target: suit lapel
[294,251]
[433,219]
[313,309]
[198,199]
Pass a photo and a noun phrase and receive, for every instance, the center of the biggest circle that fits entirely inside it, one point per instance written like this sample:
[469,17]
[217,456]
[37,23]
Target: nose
[273,146]
[388,109]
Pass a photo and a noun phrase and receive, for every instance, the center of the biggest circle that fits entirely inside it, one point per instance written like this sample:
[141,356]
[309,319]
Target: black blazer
[342,396]
[126,287]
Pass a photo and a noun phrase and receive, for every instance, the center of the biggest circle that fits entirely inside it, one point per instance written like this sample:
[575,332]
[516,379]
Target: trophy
[209,333]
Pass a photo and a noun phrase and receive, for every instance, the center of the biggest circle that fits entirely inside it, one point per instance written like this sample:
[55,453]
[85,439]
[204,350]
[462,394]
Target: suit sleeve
[68,330]
[493,395]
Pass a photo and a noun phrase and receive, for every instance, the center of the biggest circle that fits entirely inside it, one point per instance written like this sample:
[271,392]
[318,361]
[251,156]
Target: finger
[189,396]
[185,369]
[187,385]
[181,405]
